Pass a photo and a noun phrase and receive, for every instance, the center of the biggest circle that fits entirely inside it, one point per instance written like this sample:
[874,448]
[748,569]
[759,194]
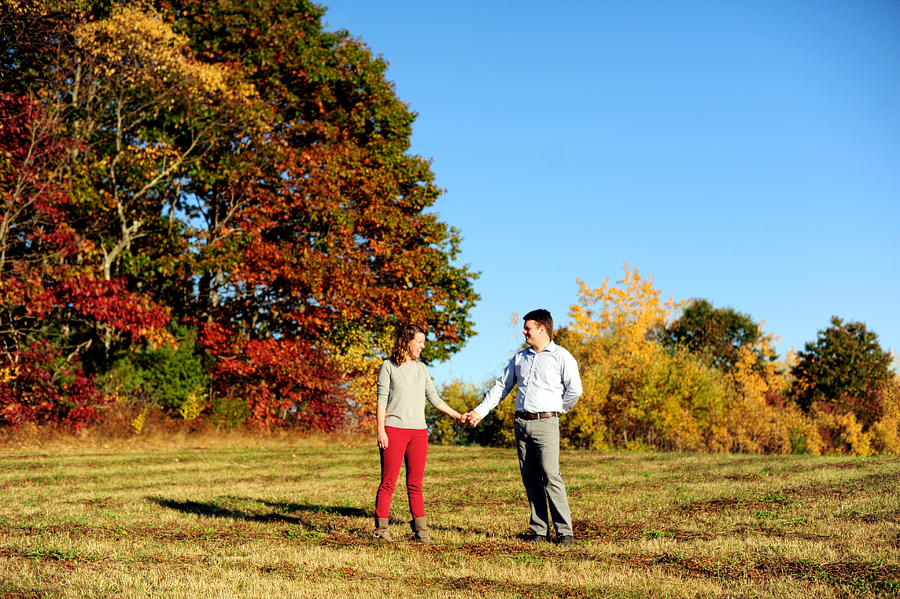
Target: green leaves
[717,335]
[846,369]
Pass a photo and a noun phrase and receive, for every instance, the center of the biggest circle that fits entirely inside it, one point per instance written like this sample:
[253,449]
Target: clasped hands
[470,418]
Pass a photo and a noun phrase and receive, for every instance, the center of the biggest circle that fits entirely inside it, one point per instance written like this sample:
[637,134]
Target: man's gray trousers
[537,442]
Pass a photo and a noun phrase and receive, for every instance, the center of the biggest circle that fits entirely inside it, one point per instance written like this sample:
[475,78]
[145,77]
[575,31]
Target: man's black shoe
[566,540]
[536,539]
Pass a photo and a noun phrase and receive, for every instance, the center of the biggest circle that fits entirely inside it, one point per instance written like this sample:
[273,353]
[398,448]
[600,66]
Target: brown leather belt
[536,415]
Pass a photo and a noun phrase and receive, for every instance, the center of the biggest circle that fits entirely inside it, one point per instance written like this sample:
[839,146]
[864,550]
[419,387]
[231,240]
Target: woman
[403,386]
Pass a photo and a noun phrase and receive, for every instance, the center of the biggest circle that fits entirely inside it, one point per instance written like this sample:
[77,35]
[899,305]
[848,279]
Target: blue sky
[743,152]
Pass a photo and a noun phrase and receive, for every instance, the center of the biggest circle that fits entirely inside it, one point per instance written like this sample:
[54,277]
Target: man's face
[533,333]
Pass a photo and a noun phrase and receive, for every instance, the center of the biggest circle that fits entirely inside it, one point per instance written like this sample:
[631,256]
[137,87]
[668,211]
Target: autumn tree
[640,393]
[46,296]
[631,396]
[149,112]
[846,370]
[135,112]
[140,111]
[334,235]
[235,166]
[328,245]
[717,335]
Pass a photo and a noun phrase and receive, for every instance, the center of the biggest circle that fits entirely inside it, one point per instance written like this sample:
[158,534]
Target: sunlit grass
[292,517]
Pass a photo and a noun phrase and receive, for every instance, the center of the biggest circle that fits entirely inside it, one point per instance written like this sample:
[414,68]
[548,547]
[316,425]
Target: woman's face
[416,345]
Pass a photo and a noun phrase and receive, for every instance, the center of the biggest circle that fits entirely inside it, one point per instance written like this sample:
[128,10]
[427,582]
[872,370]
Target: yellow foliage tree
[626,375]
[885,434]
[629,313]
[148,112]
[680,399]
[352,353]
[751,424]
[640,394]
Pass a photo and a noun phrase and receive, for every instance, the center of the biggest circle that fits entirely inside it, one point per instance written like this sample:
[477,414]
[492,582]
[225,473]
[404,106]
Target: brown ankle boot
[420,528]
[381,530]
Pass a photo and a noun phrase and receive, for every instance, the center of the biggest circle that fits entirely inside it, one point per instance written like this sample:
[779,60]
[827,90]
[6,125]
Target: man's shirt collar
[551,347]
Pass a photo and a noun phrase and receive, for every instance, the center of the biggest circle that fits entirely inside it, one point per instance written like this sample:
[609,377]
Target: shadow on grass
[315,517]
[346,512]
[233,507]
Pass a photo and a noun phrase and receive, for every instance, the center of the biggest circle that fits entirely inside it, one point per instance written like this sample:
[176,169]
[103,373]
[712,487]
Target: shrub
[228,412]
[167,377]
[39,386]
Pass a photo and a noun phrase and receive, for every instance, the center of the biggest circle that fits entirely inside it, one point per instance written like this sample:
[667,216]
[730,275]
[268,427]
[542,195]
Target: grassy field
[292,517]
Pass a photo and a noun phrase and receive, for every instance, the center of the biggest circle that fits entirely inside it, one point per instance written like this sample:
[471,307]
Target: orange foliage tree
[240,169]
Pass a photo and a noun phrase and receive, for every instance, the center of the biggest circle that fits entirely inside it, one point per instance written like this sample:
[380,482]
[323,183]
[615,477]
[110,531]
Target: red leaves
[294,216]
[37,386]
[340,241]
[110,303]
[43,289]
[283,381]
[36,212]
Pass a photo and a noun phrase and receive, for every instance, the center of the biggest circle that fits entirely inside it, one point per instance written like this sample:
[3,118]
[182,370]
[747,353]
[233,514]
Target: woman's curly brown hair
[405,334]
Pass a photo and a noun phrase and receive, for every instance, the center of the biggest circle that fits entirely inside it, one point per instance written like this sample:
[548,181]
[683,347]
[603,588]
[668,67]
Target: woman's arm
[445,408]
[379,421]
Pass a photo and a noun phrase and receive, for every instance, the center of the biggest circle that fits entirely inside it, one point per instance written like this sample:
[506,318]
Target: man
[548,384]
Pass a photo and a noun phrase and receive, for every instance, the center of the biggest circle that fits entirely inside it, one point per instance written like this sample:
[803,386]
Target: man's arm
[501,388]
[571,381]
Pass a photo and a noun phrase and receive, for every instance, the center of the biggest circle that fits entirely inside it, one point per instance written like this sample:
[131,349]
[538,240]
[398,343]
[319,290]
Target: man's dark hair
[543,318]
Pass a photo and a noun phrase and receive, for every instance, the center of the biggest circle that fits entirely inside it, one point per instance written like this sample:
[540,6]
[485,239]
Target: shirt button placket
[531,368]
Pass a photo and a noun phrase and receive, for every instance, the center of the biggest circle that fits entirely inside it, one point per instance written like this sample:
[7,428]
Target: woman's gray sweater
[403,390]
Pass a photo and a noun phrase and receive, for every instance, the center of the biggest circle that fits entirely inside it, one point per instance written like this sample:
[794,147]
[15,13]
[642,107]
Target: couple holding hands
[548,384]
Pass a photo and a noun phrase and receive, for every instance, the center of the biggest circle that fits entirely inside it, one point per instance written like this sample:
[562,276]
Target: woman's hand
[380,412]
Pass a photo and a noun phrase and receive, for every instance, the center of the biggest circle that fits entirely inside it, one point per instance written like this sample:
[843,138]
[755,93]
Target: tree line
[210,217]
[687,376]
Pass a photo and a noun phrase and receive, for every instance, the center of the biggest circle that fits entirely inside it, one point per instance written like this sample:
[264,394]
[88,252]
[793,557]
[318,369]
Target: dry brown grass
[219,515]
